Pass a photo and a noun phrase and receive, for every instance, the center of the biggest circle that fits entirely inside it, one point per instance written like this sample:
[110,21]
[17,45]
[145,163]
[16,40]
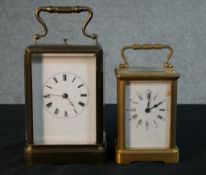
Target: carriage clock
[64,98]
[146,110]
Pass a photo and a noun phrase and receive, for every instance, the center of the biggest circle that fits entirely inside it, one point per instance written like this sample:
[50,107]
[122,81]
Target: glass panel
[147,114]
[64,98]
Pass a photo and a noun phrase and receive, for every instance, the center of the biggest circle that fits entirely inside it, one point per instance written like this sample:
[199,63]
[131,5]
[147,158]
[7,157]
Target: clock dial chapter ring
[65,95]
[147,109]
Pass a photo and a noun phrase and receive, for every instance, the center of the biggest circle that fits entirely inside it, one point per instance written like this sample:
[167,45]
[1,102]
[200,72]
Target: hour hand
[48,95]
[147,110]
[156,105]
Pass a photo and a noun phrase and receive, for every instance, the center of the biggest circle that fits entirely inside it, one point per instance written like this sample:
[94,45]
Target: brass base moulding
[167,156]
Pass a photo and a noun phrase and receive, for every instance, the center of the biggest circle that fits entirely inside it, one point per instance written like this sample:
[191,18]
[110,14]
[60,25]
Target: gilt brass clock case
[135,121]
[64,98]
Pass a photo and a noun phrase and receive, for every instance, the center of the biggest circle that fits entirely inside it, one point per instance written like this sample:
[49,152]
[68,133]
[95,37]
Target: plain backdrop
[181,24]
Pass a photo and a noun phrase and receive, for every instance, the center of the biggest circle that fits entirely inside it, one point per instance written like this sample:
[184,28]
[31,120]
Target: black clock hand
[70,102]
[148,94]
[66,96]
[46,95]
[147,110]
[156,105]
[148,97]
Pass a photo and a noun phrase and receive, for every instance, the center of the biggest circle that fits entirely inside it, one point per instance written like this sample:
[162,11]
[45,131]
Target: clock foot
[168,156]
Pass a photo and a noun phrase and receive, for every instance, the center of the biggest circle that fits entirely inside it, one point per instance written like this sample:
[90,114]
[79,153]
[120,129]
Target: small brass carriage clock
[146,110]
[64,98]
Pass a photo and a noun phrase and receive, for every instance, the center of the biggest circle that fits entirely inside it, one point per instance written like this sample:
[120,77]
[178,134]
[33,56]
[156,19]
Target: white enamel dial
[64,98]
[147,113]
[65,95]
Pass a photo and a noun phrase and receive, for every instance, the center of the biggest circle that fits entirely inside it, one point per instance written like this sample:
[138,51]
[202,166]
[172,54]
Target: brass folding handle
[147,47]
[67,9]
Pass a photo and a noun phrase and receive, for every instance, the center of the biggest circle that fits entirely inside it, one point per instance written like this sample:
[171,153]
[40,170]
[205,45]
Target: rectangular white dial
[147,114]
[64,98]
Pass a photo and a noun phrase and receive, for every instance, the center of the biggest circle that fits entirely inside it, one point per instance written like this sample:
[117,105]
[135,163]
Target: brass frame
[147,47]
[64,9]
[64,153]
[123,74]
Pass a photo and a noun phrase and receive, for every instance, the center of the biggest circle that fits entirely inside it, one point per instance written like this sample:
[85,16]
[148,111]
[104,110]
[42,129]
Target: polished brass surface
[159,74]
[147,47]
[123,155]
[67,9]
[168,156]
[125,74]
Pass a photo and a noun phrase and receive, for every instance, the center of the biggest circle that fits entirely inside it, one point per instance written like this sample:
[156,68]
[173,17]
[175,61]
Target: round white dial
[65,95]
[147,109]
[147,114]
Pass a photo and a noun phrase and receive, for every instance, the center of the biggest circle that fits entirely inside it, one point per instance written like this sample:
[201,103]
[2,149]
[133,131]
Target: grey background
[181,24]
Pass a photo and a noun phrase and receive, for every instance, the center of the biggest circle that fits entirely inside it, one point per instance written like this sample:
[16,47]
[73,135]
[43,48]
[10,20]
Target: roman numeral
[80,85]
[161,109]
[147,125]
[134,102]
[155,96]
[134,116]
[49,87]
[155,123]
[81,104]
[73,79]
[160,117]
[64,77]
[83,95]
[55,79]
[139,122]
[140,96]
[47,96]
[75,111]
[49,104]
[65,114]
[132,110]
[56,111]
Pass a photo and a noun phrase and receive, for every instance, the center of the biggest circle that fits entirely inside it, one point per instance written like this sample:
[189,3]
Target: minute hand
[70,102]
[156,105]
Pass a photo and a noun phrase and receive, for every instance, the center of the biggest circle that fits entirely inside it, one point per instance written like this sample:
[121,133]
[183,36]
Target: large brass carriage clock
[64,98]
[146,110]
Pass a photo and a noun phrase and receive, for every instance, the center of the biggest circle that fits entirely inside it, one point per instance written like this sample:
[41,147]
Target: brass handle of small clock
[67,9]
[147,47]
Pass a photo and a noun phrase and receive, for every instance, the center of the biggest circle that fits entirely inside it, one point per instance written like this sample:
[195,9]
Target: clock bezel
[123,155]
[78,153]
